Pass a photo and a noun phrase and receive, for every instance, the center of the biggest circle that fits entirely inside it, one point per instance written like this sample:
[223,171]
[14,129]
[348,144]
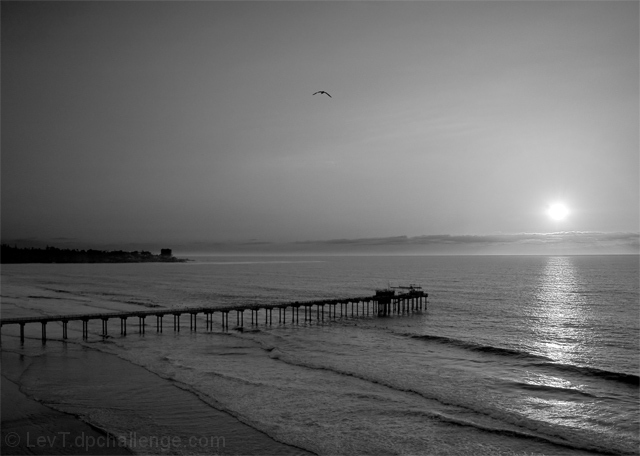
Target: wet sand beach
[105,387]
[29,427]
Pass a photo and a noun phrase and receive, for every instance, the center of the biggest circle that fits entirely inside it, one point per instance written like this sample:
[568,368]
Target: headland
[13,254]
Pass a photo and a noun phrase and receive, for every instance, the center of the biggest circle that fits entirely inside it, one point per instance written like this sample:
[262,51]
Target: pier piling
[384,303]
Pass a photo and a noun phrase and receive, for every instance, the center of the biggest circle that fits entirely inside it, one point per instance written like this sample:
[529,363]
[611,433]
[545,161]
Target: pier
[384,303]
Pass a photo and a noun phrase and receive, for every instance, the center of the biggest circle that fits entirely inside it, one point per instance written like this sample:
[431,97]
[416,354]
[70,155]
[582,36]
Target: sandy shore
[102,384]
[29,427]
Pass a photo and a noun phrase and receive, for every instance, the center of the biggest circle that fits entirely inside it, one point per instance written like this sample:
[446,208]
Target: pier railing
[360,306]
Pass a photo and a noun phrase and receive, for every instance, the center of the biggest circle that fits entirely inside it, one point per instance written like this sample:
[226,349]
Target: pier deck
[360,306]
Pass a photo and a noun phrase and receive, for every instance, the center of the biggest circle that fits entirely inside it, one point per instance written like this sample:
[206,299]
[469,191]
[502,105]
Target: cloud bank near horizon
[556,243]
[566,242]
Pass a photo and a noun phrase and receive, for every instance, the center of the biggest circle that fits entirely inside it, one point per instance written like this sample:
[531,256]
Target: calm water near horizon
[514,355]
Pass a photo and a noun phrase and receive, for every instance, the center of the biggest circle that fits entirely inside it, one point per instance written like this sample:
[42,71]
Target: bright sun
[558,211]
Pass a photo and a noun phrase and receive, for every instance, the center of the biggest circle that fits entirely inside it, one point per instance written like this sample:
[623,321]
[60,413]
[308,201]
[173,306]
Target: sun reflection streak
[560,317]
[561,412]
[563,313]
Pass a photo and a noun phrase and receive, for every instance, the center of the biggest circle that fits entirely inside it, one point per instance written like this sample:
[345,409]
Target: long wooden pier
[384,303]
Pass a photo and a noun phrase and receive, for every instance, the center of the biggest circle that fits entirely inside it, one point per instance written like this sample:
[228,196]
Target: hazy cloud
[139,123]
[570,242]
[565,243]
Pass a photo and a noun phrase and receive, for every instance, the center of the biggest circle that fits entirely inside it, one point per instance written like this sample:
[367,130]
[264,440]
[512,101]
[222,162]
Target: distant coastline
[13,254]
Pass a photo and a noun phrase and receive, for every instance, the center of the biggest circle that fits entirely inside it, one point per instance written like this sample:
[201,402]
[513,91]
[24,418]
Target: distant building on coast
[165,252]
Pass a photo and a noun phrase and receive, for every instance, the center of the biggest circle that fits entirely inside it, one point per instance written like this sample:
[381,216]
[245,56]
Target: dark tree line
[13,254]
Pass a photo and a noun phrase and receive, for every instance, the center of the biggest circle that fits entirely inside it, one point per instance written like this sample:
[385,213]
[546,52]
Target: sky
[195,123]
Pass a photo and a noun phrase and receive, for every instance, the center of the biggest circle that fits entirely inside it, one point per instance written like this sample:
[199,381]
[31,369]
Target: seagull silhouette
[322,91]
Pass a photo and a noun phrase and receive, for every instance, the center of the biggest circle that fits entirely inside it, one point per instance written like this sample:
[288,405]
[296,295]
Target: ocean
[513,355]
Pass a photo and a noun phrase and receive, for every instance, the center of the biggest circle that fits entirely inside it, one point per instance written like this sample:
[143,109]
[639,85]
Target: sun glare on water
[558,211]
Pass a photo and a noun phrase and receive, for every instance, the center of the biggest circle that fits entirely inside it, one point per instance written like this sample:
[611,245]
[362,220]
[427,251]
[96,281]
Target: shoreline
[87,423]
[30,427]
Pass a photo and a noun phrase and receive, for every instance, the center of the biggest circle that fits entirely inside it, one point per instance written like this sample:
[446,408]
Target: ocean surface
[513,355]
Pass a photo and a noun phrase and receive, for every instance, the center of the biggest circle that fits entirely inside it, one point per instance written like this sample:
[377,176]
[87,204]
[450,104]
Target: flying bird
[322,91]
